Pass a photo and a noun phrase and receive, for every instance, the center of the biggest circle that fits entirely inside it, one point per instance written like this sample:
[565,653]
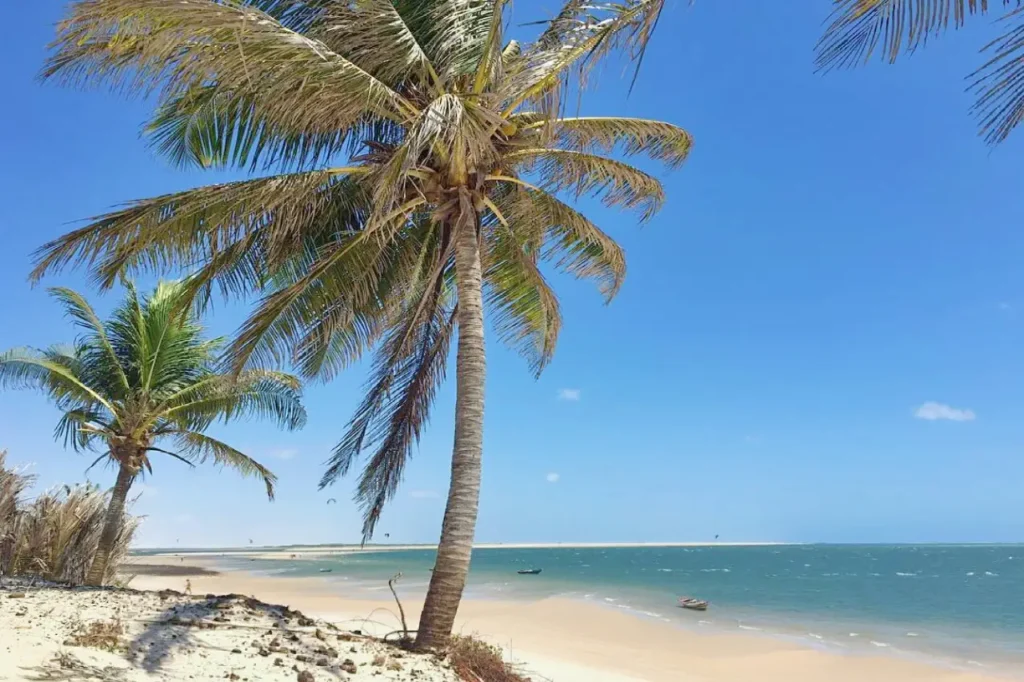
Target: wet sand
[570,641]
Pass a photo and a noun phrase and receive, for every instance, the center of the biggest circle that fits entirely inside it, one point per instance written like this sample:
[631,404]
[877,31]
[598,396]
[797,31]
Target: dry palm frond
[630,136]
[617,183]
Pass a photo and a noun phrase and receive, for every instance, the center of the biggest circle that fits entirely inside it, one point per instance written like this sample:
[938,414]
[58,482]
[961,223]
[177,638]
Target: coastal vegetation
[422,163]
[55,535]
[140,385]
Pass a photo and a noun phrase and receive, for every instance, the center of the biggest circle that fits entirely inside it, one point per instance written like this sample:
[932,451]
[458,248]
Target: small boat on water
[693,604]
[326,570]
[529,571]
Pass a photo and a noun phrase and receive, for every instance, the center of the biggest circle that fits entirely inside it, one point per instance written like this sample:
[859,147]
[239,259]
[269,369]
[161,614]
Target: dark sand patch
[170,570]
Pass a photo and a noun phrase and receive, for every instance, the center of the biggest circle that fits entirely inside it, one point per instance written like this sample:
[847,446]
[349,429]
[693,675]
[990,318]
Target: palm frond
[571,17]
[617,183]
[339,292]
[570,241]
[252,393]
[30,368]
[374,34]
[210,126]
[408,369]
[525,309]
[452,32]
[79,428]
[185,228]
[1000,82]
[142,45]
[858,27]
[199,448]
[630,136]
[606,27]
[76,307]
[489,69]
[336,333]
[301,16]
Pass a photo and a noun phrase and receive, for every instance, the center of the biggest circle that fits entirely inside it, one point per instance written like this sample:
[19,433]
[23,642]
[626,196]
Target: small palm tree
[892,27]
[461,158]
[143,384]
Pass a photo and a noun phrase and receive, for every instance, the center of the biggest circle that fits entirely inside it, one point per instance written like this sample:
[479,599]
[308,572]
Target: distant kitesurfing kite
[332,500]
[716,537]
[387,535]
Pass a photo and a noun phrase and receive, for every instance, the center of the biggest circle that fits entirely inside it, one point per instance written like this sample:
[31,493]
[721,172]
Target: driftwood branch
[401,611]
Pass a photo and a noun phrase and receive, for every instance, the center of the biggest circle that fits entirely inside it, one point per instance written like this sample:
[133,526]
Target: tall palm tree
[142,384]
[860,27]
[460,157]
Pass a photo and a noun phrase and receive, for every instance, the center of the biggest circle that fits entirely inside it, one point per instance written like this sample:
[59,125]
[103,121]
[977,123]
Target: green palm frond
[999,83]
[336,291]
[861,28]
[336,333]
[617,183]
[30,368]
[209,127]
[375,35]
[199,448]
[262,394]
[525,309]
[452,32]
[570,241]
[78,308]
[80,428]
[409,367]
[190,227]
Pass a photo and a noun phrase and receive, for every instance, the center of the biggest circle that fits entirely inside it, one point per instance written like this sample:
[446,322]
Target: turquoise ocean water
[960,605]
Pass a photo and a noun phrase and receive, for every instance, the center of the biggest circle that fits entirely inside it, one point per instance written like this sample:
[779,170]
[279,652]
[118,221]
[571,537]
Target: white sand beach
[127,635]
[557,639]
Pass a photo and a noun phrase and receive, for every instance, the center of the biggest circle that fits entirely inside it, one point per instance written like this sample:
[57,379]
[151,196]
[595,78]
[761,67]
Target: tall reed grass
[55,535]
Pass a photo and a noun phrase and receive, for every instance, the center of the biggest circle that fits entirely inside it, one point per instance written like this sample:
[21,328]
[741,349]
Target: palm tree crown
[459,157]
[449,127]
[142,384]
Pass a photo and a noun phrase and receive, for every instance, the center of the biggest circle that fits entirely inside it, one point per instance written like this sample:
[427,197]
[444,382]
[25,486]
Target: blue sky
[837,253]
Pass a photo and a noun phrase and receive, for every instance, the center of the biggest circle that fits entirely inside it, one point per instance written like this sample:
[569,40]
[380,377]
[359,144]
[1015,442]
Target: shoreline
[287,551]
[566,639]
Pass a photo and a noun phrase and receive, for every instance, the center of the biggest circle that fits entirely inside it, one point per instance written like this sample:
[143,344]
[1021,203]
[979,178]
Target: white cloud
[571,394]
[284,453]
[424,494]
[933,411]
[552,477]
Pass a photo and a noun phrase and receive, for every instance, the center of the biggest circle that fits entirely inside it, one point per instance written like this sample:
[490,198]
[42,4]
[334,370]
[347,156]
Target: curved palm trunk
[456,546]
[111,525]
